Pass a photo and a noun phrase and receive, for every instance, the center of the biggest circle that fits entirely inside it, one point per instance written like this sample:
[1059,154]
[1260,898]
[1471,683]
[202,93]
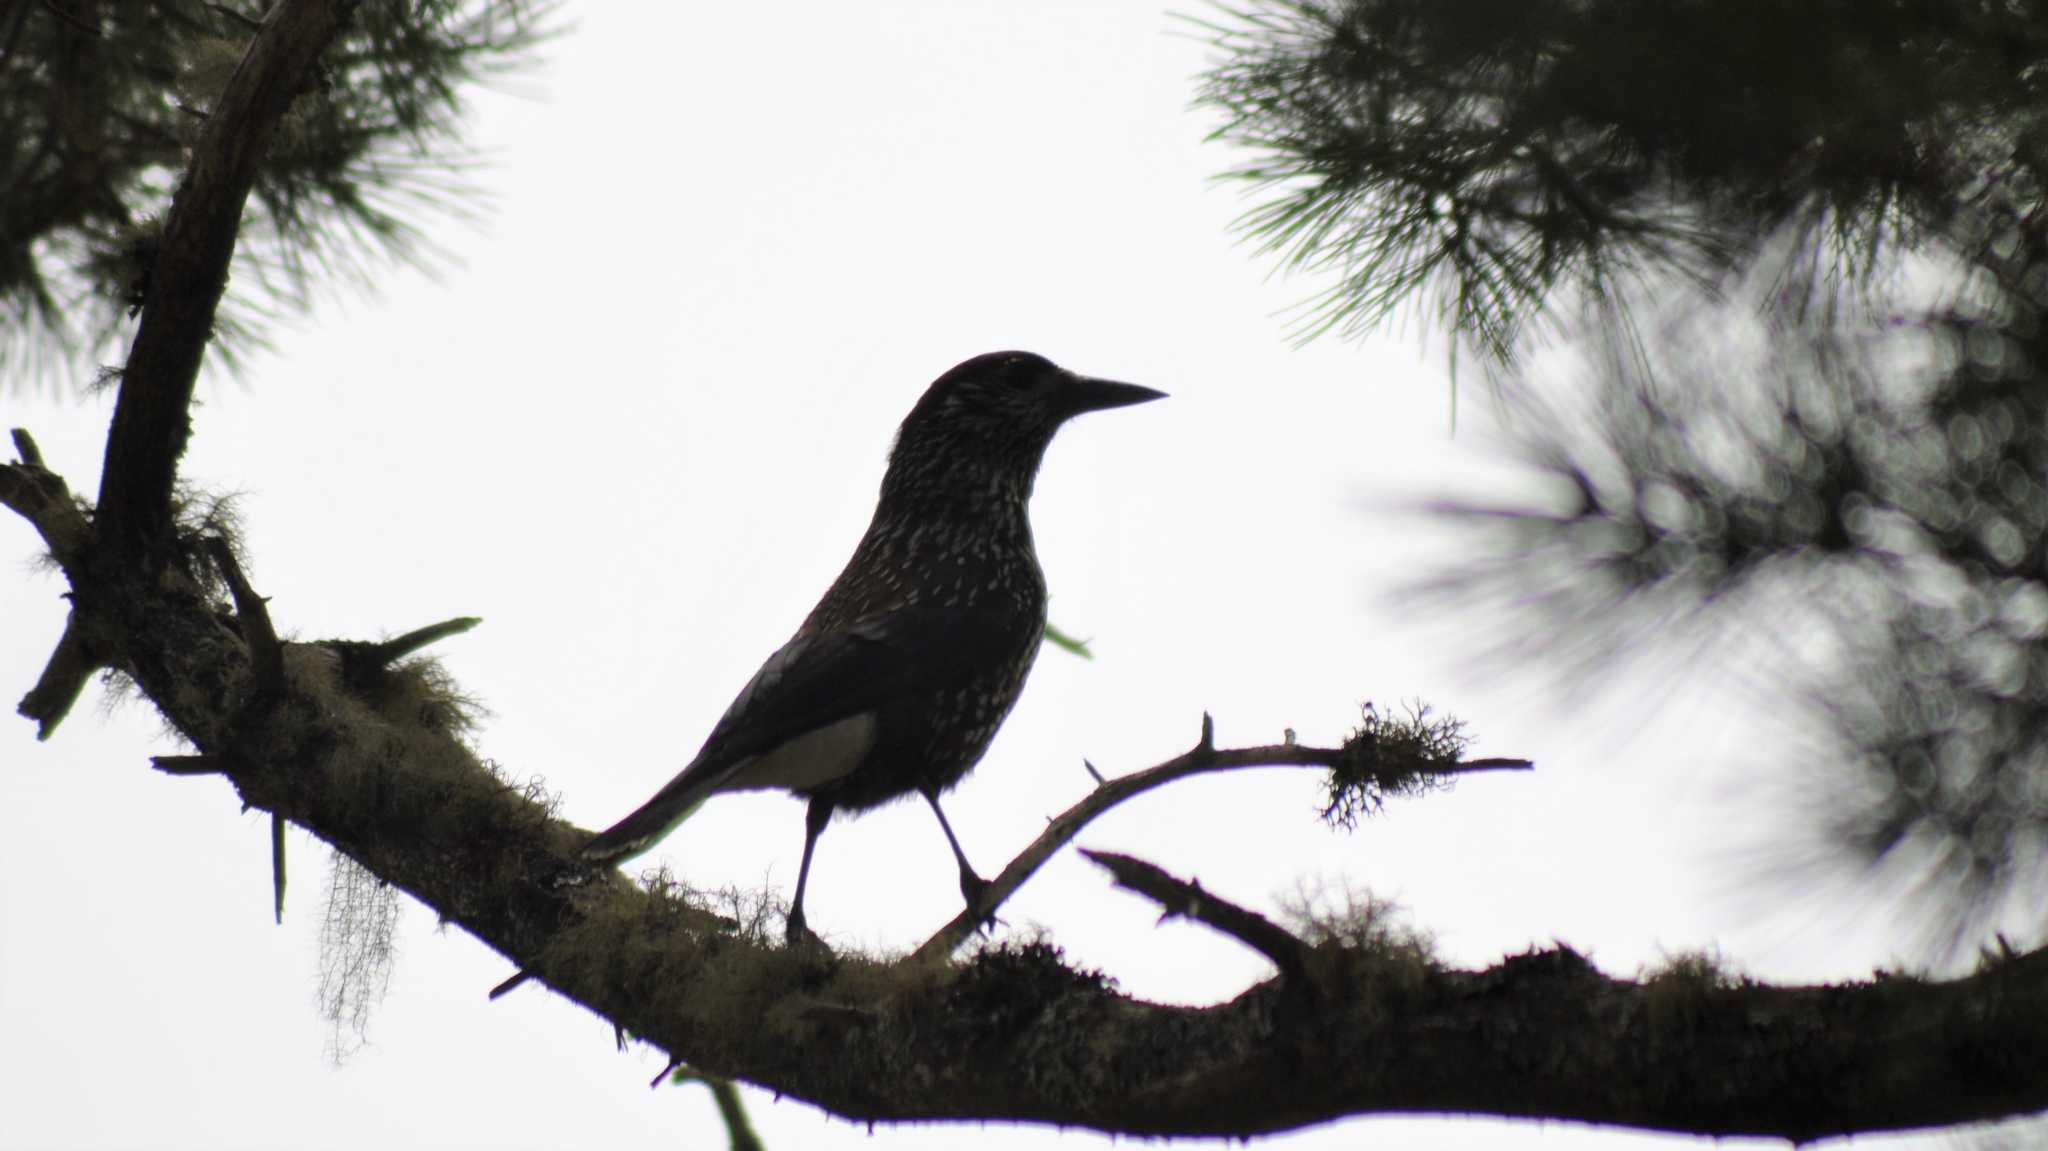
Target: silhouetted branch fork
[152,411]
[675,1062]
[1187,899]
[1202,758]
[266,655]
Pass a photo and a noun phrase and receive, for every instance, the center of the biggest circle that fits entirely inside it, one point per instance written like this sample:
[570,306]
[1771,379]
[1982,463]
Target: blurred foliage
[100,103]
[1861,492]
[1486,159]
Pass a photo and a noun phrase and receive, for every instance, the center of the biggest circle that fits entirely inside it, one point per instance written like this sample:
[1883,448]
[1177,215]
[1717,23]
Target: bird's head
[999,412]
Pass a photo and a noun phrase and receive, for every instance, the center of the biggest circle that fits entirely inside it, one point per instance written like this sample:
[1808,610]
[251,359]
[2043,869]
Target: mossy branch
[1014,1033]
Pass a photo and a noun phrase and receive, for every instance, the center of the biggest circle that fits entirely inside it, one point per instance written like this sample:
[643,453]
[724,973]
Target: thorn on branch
[1093,774]
[394,650]
[277,864]
[674,1061]
[266,654]
[188,765]
[1208,744]
[363,664]
[512,984]
[1187,900]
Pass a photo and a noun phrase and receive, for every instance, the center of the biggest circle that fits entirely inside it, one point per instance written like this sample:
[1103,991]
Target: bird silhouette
[899,677]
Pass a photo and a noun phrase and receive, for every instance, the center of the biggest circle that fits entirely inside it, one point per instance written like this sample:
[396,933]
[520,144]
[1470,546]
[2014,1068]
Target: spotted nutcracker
[898,679]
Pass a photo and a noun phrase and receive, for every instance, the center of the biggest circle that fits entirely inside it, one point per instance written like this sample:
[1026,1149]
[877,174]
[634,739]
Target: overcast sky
[638,429]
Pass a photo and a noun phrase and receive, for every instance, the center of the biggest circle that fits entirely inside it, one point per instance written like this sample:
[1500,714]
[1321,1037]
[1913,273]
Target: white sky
[639,429]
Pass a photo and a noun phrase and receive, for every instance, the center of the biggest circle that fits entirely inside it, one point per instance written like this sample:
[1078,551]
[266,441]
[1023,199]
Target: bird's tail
[648,824]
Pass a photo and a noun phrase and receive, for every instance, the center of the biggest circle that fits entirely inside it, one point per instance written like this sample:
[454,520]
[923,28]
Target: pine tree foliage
[100,102]
[1482,157]
[1868,483]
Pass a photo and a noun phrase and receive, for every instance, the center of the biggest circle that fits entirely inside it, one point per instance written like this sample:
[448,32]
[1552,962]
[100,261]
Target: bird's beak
[1084,394]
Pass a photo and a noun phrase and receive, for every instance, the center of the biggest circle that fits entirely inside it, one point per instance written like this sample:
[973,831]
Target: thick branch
[151,421]
[1014,1034]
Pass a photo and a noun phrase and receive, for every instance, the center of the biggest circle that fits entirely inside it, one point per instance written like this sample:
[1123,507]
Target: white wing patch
[810,760]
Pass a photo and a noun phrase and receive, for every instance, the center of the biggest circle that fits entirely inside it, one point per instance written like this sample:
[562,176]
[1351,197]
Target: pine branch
[1015,1034]
[151,420]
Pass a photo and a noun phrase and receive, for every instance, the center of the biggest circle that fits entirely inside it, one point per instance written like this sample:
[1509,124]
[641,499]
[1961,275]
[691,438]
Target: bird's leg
[797,932]
[971,885]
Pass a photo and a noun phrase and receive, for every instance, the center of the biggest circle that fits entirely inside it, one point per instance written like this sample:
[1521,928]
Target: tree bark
[368,758]
[152,414]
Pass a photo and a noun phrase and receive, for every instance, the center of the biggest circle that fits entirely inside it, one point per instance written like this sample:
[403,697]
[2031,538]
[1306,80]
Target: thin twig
[511,985]
[1186,898]
[188,764]
[1202,758]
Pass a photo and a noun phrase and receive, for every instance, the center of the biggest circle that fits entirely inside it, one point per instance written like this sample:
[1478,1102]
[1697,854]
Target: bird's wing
[826,680]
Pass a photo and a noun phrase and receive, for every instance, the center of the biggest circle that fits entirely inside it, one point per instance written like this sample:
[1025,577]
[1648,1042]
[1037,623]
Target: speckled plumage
[898,679]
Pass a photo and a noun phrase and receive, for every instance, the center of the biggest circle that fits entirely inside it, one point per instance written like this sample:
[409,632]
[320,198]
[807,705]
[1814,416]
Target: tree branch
[71,666]
[1015,1034]
[1188,900]
[1198,760]
[151,417]
[266,655]
[41,497]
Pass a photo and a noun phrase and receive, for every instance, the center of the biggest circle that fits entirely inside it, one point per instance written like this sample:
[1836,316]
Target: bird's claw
[799,938]
[973,888]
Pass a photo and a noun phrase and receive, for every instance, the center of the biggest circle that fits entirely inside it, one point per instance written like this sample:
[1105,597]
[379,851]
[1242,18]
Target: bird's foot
[798,937]
[973,888]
